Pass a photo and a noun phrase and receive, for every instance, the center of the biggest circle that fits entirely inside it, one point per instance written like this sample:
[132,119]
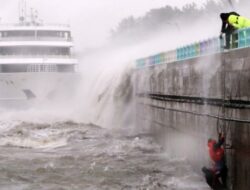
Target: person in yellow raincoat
[230,22]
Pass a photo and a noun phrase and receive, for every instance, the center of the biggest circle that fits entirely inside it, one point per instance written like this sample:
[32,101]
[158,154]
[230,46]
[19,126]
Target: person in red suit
[216,176]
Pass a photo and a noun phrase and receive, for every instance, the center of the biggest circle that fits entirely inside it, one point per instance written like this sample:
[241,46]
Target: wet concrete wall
[189,101]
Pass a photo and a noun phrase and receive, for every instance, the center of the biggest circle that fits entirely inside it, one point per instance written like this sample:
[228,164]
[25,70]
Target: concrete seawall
[189,101]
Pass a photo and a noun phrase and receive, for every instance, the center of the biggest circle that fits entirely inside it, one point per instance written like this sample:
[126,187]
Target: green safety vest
[239,21]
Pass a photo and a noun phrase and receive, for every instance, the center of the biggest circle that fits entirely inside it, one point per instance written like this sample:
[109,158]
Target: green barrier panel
[191,50]
[140,63]
[241,43]
[247,32]
[158,59]
[247,42]
[178,51]
[194,50]
[155,59]
[186,52]
[162,57]
[247,37]
[241,38]
[180,54]
[183,53]
[242,34]
[197,49]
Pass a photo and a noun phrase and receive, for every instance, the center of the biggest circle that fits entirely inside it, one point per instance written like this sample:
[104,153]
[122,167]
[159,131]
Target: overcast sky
[91,20]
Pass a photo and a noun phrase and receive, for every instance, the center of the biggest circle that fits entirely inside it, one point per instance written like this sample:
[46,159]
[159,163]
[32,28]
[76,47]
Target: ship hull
[22,90]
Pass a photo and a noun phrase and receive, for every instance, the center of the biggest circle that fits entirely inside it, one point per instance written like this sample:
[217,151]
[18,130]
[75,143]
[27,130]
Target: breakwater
[187,101]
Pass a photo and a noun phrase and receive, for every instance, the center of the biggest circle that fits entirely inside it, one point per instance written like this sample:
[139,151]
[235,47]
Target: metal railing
[35,25]
[37,56]
[34,38]
[239,39]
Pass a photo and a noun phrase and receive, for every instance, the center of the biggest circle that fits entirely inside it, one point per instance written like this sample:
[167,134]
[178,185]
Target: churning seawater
[72,156]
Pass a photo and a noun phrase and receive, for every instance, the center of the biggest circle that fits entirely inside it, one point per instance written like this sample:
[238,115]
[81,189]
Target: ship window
[35,51]
[12,68]
[66,68]
[33,68]
[18,33]
[49,34]
[66,35]
[42,68]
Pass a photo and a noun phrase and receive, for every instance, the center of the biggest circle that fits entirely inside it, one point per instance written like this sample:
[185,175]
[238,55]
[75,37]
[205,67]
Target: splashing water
[68,155]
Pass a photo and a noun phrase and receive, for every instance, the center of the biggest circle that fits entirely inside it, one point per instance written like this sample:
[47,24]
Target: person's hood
[224,16]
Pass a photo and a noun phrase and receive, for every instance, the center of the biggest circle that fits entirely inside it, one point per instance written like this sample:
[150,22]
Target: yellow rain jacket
[239,21]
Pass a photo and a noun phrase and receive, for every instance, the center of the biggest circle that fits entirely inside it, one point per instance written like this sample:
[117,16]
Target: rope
[218,127]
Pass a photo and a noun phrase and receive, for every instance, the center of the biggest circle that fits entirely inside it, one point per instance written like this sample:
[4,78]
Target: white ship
[36,61]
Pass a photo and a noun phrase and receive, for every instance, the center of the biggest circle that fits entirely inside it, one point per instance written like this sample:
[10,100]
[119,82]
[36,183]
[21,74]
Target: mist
[105,92]
[86,137]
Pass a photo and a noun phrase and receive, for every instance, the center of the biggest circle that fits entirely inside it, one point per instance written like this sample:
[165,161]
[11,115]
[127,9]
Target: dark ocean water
[68,155]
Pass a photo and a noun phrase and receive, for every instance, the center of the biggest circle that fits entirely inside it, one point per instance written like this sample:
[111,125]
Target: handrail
[6,39]
[38,25]
[210,46]
[37,56]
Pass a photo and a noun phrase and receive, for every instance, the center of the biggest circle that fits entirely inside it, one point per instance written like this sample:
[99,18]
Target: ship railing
[69,39]
[239,39]
[37,56]
[36,25]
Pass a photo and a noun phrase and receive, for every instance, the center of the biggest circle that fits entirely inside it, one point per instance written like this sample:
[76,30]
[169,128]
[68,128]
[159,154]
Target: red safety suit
[216,153]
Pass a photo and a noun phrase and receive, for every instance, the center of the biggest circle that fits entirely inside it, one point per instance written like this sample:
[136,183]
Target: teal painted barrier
[162,58]
[241,38]
[244,38]
[247,37]
[140,63]
[209,46]
[158,59]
